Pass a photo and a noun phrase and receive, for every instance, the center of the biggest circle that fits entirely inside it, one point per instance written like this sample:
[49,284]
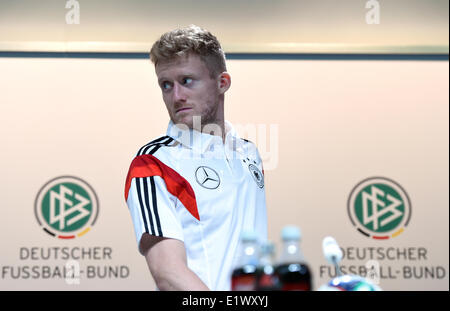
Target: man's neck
[216,128]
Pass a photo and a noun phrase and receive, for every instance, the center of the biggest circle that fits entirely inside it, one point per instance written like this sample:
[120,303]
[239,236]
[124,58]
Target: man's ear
[224,82]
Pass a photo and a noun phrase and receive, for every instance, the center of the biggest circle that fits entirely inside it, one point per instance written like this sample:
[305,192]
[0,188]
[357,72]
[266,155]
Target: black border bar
[237,56]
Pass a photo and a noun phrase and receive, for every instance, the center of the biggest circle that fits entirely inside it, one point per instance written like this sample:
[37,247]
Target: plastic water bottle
[266,277]
[244,276]
[292,270]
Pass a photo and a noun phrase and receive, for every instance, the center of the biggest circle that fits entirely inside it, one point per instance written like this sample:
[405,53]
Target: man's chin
[184,122]
[190,121]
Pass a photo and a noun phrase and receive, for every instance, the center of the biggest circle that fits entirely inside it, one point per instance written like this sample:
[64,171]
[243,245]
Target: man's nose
[179,94]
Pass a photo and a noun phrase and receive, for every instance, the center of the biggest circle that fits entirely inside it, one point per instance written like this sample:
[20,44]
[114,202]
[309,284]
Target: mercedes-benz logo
[207,177]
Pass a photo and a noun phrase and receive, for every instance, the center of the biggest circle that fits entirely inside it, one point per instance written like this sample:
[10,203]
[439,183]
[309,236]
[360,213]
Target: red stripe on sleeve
[147,165]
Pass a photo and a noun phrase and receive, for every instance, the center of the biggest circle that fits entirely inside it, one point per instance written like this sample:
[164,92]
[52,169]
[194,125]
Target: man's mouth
[182,109]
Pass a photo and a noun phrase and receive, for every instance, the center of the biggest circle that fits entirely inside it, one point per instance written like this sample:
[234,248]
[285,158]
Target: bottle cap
[248,236]
[291,233]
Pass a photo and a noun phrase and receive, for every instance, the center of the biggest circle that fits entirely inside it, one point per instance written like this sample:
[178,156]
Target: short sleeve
[253,153]
[152,209]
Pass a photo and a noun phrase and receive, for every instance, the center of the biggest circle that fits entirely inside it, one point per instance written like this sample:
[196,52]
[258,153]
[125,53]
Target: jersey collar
[202,142]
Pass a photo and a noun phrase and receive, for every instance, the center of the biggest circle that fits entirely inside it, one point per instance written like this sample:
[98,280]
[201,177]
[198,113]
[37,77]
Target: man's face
[188,90]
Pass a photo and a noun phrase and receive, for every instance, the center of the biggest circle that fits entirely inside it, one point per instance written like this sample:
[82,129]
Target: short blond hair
[190,40]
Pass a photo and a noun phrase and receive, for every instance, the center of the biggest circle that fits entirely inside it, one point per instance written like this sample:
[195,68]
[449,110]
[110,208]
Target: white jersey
[193,187]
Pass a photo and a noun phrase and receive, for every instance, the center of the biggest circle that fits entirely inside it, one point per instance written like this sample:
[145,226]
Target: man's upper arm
[158,228]
[160,252]
[152,209]
[166,259]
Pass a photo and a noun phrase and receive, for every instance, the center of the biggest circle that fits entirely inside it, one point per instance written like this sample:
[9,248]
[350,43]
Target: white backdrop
[337,123]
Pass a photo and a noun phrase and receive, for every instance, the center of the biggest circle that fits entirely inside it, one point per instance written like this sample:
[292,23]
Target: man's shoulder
[156,144]
[248,143]
[250,148]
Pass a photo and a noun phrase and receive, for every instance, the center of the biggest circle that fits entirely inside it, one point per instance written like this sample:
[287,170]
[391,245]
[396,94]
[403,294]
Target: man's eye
[187,80]
[165,85]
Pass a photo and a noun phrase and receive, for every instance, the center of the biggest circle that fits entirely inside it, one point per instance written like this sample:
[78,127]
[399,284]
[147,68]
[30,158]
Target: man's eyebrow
[182,75]
[160,80]
[187,73]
